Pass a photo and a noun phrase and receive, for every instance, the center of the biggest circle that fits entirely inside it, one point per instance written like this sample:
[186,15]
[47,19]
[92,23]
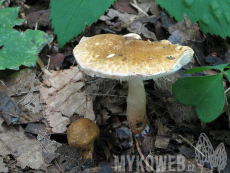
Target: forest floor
[37,142]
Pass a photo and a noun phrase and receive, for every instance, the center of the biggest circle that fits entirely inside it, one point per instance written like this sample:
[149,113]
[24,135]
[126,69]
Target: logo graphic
[205,153]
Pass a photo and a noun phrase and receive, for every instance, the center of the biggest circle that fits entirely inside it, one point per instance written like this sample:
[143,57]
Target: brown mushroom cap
[117,57]
[81,134]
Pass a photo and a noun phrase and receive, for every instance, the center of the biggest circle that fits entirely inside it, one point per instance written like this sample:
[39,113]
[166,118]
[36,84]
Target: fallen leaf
[24,86]
[56,61]
[115,109]
[69,157]
[63,97]
[2,166]
[181,114]
[105,116]
[22,82]
[8,108]
[42,18]
[127,19]
[135,27]
[27,152]
[49,148]
[221,135]
[187,31]
[125,7]
[1,126]
[148,34]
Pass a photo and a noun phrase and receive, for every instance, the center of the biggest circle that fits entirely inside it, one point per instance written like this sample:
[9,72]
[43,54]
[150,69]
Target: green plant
[18,48]
[69,17]
[206,93]
[213,15]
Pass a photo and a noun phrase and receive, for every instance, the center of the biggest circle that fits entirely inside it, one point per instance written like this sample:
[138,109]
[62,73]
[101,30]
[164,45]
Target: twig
[103,95]
[59,168]
[48,66]
[192,145]
[36,26]
[138,8]
[25,75]
[32,100]
[44,70]
[197,59]
[3,84]
[143,157]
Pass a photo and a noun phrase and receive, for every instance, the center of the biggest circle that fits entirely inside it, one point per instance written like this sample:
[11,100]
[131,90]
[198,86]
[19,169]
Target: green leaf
[220,67]
[213,16]
[69,17]
[227,73]
[9,20]
[18,48]
[205,92]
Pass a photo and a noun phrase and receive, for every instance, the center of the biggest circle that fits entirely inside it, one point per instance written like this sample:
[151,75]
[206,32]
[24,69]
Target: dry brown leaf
[105,116]
[24,86]
[162,142]
[181,114]
[127,19]
[135,27]
[49,147]
[42,18]
[187,31]
[221,135]
[62,96]
[115,109]
[27,152]
[145,5]
[22,82]
[124,7]
[148,34]
[1,127]
[2,166]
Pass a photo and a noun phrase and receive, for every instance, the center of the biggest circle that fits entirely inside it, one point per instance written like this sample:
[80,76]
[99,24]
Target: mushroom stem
[136,106]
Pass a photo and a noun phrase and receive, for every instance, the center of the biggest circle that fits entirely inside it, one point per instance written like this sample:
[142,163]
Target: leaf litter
[48,104]
[63,97]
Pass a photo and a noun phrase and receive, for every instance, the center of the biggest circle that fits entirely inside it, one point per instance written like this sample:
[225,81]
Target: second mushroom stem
[136,106]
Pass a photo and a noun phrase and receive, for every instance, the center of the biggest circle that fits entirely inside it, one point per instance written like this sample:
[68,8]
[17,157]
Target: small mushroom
[81,135]
[91,55]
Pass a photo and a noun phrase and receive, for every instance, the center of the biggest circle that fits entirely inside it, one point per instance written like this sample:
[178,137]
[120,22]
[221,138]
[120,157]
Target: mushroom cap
[82,132]
[118,57]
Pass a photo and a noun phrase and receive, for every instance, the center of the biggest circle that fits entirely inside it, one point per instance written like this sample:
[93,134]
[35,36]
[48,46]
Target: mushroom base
[136,106]
[87,151]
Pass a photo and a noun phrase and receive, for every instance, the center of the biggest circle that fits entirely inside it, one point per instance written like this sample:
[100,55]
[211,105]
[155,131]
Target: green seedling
[69,17]
[18,48]
[213,16]
[206,93]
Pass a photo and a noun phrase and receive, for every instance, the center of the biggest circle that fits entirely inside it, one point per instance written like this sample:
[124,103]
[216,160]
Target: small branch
[192,145]
[103,95]
[138,8]
[143,157]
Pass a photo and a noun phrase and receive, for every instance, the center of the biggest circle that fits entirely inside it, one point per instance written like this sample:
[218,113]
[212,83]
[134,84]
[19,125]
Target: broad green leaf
[220,67]
[227,73]
[69,17]
[9,20]
[1,2]
[205,92]
[213,15]
[18,48]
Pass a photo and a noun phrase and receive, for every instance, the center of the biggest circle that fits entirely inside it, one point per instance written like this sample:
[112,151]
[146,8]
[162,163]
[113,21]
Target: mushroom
[117,57]
[81,135]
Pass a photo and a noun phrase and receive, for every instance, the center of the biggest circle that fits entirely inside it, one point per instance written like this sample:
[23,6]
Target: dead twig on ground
[143,157]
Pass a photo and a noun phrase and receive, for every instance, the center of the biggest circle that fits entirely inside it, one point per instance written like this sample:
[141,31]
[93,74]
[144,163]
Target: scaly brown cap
[118,57]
